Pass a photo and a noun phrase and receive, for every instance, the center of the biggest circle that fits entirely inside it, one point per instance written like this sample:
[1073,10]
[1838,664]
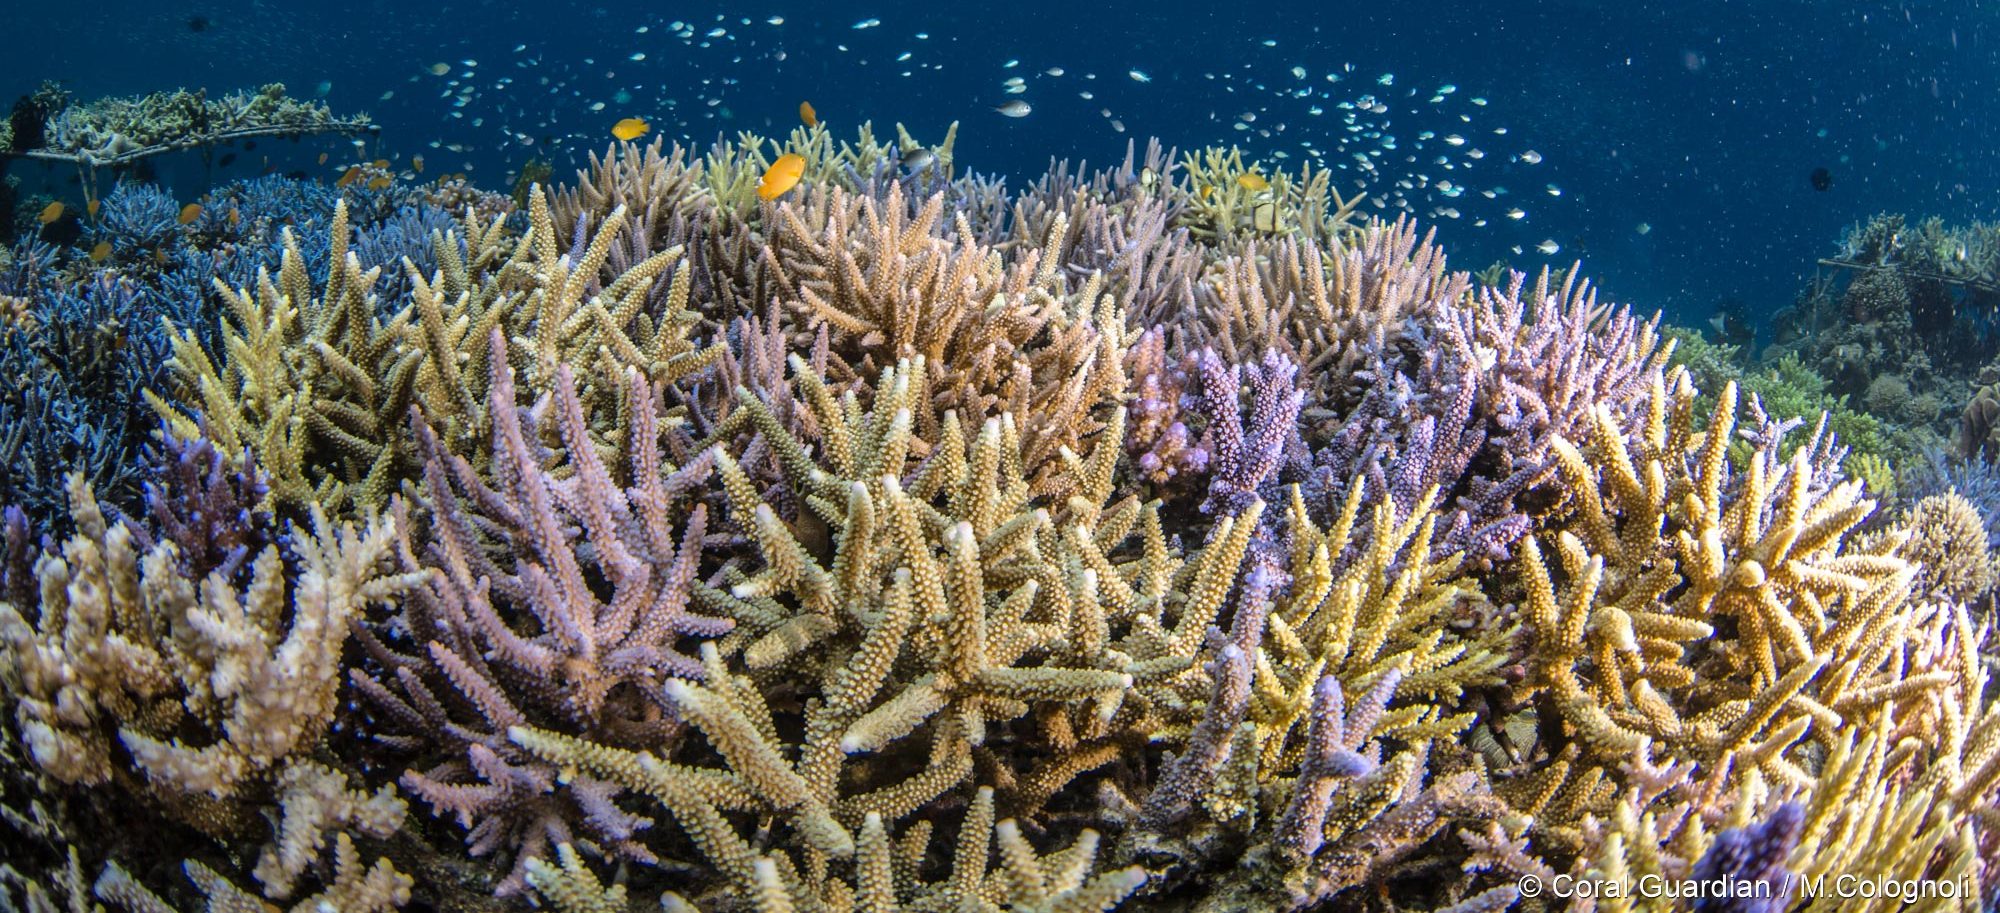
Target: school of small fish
[1415,146]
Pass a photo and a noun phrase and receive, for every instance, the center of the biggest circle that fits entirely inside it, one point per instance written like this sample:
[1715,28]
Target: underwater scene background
[1704,121]
[1448,456]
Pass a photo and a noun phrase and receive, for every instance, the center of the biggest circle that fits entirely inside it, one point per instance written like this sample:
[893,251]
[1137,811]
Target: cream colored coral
[127,645]
[1947,540]
[313,801]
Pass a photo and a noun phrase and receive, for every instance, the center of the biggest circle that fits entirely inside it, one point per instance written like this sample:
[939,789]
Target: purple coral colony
[1151,537]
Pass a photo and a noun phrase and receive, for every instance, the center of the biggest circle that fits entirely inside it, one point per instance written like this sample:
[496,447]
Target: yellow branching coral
[1864,818]
[313,382]
[1714,619]
[1227,200]
[1279,764]
[579,319]
[318,387]
[127,648]
[570,886]
[1363,604]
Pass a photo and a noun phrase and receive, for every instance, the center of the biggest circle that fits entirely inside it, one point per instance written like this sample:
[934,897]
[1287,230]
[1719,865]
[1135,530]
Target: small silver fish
[918,159]
[1015,108]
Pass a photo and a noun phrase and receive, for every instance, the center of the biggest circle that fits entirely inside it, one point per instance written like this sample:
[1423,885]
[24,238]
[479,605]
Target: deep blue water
[1700,120]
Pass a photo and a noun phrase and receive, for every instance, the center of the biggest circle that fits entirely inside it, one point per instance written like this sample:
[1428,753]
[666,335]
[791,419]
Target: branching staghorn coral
[1158,439]
[316,385]
[310,381]
[510,630]
[848,550]
[656,183]
[1878,810]
[577,318]
[1473,410]
[1120,223]
[354,886]
[1337,311]
[1244,461]
[997,333]
[1710,622]
[130,667]
[1274,748]
[1557,355]
[1225,201]
[315,800]
[950,611]
[886,875]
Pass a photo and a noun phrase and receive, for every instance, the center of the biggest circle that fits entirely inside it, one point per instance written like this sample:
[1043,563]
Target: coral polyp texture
[910,543]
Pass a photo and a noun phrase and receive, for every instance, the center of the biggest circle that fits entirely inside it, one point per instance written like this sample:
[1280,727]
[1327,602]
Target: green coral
[1789,388]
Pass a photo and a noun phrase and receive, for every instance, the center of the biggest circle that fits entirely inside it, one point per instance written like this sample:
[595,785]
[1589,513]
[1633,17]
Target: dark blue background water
[1700,119]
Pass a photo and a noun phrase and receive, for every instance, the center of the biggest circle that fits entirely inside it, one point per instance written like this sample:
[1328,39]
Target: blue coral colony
[810,523]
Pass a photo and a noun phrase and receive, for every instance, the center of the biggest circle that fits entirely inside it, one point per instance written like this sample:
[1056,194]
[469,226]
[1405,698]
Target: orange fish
[100,252]
[91,207]
[417,163]
[353,173]
[381,163]
[379,182]
[51,212]
[807,114]
[631,128]
[322,158]
[783,175]
[235,216]
[190,212]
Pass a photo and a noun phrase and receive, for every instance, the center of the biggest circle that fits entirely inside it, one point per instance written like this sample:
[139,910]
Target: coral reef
[1869,425]
[72,392]
[1168,536]
[1901,322]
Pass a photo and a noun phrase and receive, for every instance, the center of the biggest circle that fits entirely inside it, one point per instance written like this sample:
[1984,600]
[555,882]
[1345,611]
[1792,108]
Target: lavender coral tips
[1243,459]
[1747,864]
